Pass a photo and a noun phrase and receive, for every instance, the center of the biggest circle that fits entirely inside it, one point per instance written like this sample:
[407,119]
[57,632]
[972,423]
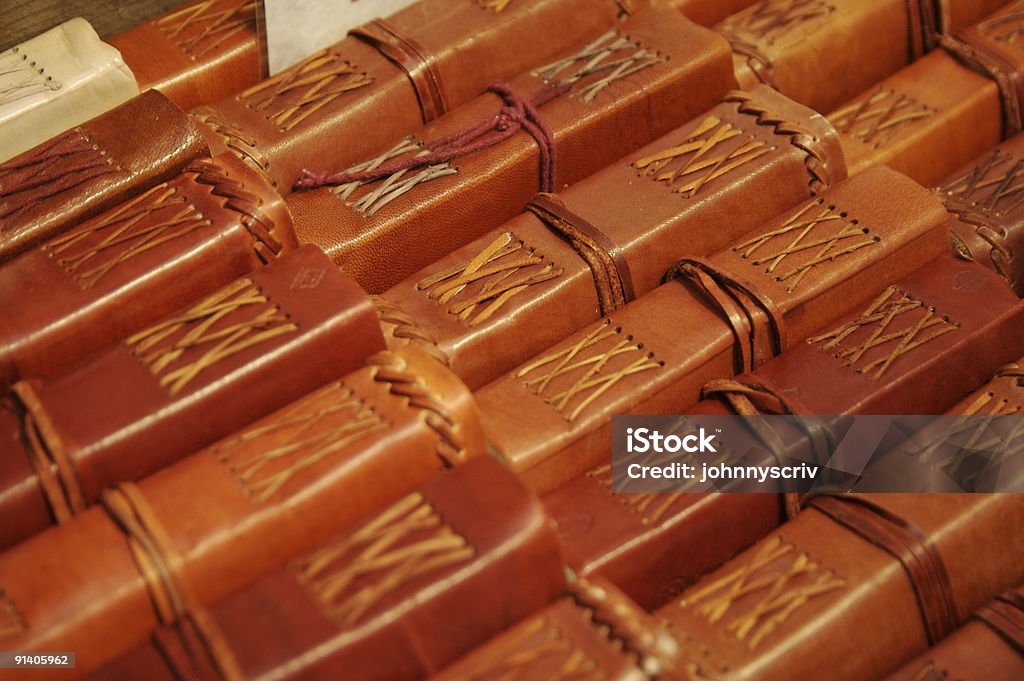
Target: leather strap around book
[694,185]
[1005,616]
[91,168]
[135,263]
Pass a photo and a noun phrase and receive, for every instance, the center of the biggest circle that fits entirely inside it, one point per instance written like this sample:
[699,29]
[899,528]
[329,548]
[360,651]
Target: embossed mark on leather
[405,542]
[493,5]
[150,220]
[265,458]
[11,622]
[813,236]
[205,26]
[760,595]
[893,325]
[369,197]
[572,378]
[609,58]
[1007,28]
[880,117]
[297,93]
[474,290]
[712,150]
[61,164]
[21,77]
[236,318]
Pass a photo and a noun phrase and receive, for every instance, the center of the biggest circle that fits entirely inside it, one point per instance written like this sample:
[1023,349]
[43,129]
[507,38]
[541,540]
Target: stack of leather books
[316,374]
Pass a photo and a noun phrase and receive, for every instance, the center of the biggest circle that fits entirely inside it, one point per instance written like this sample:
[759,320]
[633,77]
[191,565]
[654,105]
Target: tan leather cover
[182,382]
[273,490]
[56,80]
[655,354]
[92,167]
[382,231]
[926,120]
[348,101]
[709,12]
[132,265]
[817,594]
[987,219]
[198,52]
[691,192]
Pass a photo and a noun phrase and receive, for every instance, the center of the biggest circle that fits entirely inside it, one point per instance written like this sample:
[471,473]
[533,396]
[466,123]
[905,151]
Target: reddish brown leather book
[237,510]
[585,252]
[625,88]
[856,584]
[177,385]
[196,53]
[397,596]
[93,167]
[723,315]
[139,261]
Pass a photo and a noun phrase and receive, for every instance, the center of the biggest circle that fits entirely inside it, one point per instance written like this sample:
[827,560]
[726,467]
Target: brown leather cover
[987,218]
[988,648]
[926,120]
[1002,394]
[691,192]
[348,101]
[382,231]
[179,384]
[709,12]
[743,305]
[93,167]
[134,264]
[276,489]
[374,601]
[196,53]
[945,16]
[595,632]
[854,584]
[823,52]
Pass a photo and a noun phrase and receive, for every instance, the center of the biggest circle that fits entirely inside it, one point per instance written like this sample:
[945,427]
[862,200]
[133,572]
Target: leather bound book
[136,263]
[177,385]
[382,223]
[594,632]
[945,16]
[987,220]
[391,75]
[276,489]
[714,317]
[93,167]
[926,120]
[395,597]
[710,12]
[823,52]
[56,80]
[855,584]
[583,253]
[199,52]
[990,647]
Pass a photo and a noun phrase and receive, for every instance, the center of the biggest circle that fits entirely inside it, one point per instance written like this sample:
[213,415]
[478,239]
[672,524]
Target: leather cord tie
[756,321]
[408,55]
[196,649]
[906,543]
[1005,617]
[516,114]
[612,279]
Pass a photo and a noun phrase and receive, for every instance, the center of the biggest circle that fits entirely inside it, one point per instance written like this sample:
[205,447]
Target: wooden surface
[24,19]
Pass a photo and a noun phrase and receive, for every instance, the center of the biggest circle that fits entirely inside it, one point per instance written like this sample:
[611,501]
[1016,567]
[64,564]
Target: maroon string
[516,114]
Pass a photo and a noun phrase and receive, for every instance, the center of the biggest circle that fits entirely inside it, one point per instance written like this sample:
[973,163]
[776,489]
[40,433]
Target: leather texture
[348,101]
[381,231]
[136,263]
[276,489]
[91,168]
[709,12]
[56,80]
[987,222]
[197,53]
[720,316]
[826,587]
[179,384]
[691,192]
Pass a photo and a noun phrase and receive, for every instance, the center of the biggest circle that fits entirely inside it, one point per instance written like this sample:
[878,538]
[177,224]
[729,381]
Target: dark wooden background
[24,19]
